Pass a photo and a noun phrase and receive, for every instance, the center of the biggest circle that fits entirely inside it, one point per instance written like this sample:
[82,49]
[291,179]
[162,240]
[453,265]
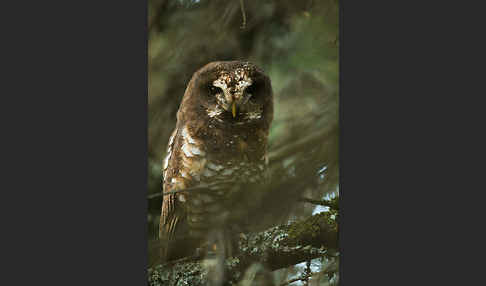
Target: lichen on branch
[275,248]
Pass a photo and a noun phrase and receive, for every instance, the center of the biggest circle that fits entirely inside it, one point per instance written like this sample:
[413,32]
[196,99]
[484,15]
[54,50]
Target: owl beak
[233,109]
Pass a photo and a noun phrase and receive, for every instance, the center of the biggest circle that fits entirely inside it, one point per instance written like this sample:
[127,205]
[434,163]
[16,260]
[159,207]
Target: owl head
[230,91]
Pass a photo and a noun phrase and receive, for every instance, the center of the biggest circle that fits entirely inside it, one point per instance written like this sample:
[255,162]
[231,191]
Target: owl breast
[214,175]
[211,205]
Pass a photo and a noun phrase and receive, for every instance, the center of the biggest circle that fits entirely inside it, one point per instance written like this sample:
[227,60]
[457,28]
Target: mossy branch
[275,248]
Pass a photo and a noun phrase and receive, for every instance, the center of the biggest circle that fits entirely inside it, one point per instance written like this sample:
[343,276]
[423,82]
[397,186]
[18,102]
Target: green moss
[322,225]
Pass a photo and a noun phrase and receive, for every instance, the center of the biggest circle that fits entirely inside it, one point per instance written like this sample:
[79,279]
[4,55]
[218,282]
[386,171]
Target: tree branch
[276,248]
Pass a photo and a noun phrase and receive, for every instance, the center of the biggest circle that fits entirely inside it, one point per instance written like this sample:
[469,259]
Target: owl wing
[169,217]
[183,166]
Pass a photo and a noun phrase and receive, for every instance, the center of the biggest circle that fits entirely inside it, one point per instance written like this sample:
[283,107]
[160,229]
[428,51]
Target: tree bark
[275,248]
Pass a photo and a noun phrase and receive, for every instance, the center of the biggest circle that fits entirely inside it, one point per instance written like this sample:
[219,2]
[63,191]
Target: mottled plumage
[219,141]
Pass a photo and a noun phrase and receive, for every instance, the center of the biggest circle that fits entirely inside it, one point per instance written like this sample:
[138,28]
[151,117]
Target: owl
[219,142]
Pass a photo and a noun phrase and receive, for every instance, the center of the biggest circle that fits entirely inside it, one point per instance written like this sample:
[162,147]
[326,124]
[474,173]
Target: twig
[290,281]
[332,267]
[243,14]
[157,195]
[162,194]
[191,189]
[153,196]
[326,203]
[304,277]
[300,145]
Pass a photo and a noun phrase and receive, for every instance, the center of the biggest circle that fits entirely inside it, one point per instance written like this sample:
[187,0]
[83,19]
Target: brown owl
[220,141]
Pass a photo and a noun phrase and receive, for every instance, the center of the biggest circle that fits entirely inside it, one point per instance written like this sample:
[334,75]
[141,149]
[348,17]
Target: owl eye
[251,90]
[214,90]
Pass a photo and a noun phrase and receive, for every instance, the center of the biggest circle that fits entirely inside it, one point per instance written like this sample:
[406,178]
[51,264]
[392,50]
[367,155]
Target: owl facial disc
[233,86]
